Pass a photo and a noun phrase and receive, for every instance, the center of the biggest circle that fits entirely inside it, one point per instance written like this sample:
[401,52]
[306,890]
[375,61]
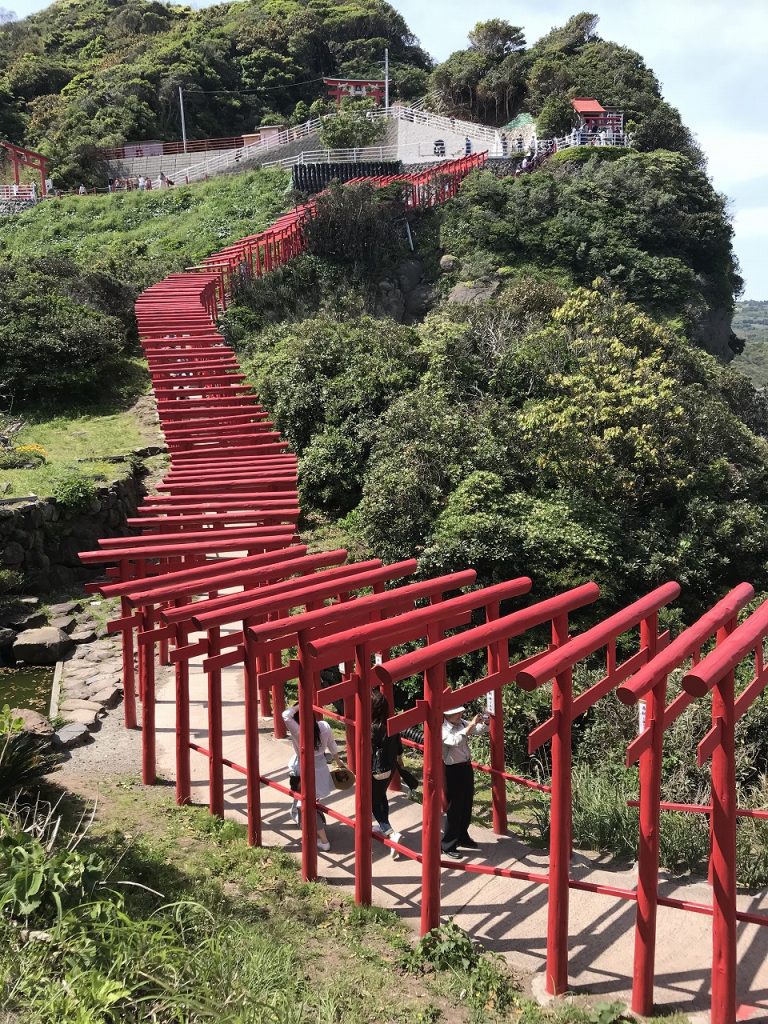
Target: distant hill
[85,73]
[750,322]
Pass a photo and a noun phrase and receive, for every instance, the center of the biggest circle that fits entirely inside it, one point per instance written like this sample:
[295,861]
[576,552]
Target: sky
[709,56]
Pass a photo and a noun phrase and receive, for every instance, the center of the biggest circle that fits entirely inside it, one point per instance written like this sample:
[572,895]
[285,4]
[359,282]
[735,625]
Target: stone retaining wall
[41,539]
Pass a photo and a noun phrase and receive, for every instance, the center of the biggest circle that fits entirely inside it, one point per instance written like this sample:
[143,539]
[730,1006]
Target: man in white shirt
[459,779]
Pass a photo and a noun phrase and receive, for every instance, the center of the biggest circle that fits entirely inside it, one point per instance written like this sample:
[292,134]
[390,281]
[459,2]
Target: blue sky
[709,55]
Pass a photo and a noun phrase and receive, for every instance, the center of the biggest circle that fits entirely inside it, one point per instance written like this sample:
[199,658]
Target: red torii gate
[21,157]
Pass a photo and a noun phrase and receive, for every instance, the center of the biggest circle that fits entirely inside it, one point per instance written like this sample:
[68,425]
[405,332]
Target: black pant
[459,792]
[379,801]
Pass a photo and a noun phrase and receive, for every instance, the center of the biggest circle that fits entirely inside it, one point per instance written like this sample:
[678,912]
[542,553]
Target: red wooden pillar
[362,710]
[215,735]
[307,762]
[560,823]
[724,855]
[147,694]
[648,848]
[433,799]
[498,782]
[183,781]
[252,777]
[129,680]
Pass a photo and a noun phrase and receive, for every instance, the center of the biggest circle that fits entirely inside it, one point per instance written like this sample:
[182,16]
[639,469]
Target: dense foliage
[61,329]
[562,435]
[649,223]
[498,77]
[91,73]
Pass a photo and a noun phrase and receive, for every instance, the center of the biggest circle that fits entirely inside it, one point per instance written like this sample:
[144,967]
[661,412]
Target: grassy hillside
[139,237]
[750,322]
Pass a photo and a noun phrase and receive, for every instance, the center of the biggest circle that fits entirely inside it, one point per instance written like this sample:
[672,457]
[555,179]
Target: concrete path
[509,916]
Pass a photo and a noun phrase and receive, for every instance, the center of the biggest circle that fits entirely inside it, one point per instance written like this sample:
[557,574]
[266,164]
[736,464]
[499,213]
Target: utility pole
[183,122]
[386,78]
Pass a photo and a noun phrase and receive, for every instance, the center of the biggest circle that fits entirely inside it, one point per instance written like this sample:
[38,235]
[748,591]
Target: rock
[79,704]
[7,636]
[409,273]
[83,636]
[108,696]
[66,608]
[449,263]
[34,723]
[41,646]
[73,735]
[473,291]
[29,601]
[77,691]
[13,553]
[65,622]
[30,621]
[82,716]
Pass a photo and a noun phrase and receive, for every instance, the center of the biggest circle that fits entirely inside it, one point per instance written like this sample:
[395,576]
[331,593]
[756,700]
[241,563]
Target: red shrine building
[594,117]
[355,88]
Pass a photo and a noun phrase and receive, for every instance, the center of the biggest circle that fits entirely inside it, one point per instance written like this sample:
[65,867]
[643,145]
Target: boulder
[29,621]
[34,723]
[449,263]
[473,291]
[83,636]
[7,636]
[65,608]
[77,691]
[73,735]
[83,716]
[79,704]
[13,553]
[65,622]
[42,646]
[108,696]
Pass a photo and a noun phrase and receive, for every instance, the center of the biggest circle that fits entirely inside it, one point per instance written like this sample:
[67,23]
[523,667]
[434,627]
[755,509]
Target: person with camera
[459,779]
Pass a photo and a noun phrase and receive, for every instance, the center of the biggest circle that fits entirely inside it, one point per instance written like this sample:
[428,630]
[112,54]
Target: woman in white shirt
[324,742]
[459,779]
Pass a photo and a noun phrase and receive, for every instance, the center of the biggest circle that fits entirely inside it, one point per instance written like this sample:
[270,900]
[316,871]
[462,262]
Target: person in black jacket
[386,756]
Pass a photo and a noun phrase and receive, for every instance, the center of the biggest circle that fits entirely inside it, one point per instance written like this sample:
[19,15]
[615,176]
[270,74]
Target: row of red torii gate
[217,571]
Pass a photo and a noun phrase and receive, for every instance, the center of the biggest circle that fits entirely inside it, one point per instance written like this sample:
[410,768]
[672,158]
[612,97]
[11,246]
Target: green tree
[351,127]
[496,38]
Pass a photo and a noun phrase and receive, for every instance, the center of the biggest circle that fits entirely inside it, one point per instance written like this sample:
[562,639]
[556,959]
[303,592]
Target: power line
[254,92]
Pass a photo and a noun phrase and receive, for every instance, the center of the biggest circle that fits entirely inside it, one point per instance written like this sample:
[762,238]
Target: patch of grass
[139,237]
[68,438]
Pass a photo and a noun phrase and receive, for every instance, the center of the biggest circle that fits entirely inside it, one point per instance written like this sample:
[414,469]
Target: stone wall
[41,539]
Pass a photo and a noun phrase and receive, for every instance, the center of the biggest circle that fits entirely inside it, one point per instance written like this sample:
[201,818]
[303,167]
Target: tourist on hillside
[519,143]
[81,190]
[386,756]
[33,192]
[142,183]
[324,743]
[459,779]
[504,144]
[467,146]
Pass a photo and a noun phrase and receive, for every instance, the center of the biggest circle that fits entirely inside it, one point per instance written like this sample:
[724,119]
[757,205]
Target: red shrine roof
[587,106]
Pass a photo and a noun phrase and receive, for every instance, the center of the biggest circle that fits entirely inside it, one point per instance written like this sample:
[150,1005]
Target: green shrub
[38,882]
[24,758]
[481,976]
[73,491]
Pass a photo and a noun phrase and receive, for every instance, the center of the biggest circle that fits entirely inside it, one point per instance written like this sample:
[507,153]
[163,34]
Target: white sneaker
[396,837]
[323,846]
